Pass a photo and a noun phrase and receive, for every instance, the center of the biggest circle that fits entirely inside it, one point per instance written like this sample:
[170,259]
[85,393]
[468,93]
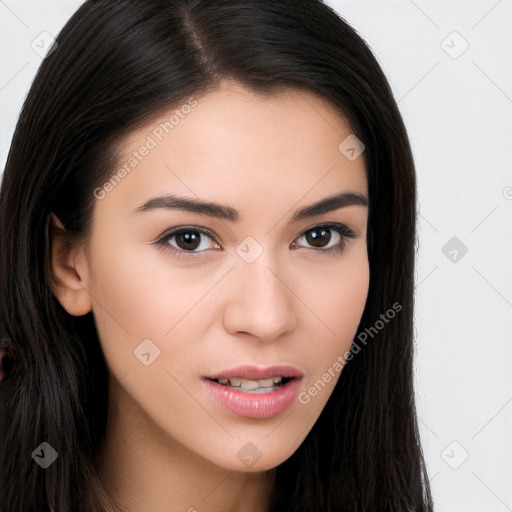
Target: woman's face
[196,306]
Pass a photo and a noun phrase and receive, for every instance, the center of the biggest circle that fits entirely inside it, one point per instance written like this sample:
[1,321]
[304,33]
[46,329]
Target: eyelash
[163,241]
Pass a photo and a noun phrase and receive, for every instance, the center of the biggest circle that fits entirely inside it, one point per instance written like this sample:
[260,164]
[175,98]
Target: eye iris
[315,236]
[188,240]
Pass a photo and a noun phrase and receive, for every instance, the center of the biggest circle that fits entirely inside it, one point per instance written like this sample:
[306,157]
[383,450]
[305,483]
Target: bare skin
[170,445]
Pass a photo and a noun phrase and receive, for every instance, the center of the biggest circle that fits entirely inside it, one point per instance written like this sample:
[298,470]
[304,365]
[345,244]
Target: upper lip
[254,372]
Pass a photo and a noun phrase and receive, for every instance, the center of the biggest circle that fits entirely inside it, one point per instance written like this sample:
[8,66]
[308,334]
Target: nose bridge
[261,303]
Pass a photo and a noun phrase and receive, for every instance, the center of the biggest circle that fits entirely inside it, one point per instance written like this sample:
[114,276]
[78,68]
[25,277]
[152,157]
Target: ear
[68,268]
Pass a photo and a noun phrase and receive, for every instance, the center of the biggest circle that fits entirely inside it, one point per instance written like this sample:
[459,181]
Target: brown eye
[318,237]
[188,240]
[328,238]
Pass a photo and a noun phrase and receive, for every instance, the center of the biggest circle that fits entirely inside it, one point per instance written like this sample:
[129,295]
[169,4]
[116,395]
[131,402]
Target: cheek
[141,295]
[129,298]
[337,297]
[141,291]
[337,304]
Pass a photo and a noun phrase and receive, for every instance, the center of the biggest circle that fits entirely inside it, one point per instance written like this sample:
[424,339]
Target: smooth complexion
[169,444]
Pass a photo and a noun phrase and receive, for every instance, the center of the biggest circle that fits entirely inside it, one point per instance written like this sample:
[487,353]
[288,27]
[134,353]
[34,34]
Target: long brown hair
[116,64]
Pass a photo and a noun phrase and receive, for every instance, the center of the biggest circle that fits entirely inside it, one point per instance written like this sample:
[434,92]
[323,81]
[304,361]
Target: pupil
[189,240]
[315,236]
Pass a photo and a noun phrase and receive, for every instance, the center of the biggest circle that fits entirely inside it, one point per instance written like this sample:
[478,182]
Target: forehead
[235,143]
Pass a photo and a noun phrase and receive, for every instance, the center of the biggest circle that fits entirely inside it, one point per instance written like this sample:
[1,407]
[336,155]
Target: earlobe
[68,265]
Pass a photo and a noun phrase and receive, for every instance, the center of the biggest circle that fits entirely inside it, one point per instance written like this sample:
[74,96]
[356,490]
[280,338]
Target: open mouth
[254,386]
[253,391]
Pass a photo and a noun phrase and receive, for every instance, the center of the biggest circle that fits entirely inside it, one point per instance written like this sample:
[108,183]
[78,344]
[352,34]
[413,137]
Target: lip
[256,405]
[254,372]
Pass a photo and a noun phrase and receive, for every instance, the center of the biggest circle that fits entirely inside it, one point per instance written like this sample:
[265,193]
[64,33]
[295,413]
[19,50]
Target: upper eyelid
[181,229]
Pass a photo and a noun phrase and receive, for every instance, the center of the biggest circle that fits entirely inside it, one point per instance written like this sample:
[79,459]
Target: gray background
[449,66]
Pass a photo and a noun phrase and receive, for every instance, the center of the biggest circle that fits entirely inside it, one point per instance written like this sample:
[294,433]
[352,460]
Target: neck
[145,470]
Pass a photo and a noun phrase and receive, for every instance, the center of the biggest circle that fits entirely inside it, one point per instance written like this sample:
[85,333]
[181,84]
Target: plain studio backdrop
[448,64]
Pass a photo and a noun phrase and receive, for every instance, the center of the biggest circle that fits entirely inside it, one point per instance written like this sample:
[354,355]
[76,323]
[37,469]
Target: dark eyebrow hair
[225,212]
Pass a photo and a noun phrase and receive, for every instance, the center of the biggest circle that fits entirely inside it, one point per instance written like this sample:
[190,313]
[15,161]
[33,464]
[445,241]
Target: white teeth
[251,385]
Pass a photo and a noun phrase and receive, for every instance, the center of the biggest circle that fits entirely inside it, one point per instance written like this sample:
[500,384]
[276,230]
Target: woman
[207,221]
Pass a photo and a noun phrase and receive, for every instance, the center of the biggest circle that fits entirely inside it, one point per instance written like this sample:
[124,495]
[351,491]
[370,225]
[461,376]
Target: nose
[260,301]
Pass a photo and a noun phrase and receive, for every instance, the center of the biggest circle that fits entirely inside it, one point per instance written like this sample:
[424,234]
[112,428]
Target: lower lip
[255,405]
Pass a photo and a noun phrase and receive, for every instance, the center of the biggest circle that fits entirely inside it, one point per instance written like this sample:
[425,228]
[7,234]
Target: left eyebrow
[221,211]
[329,204]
